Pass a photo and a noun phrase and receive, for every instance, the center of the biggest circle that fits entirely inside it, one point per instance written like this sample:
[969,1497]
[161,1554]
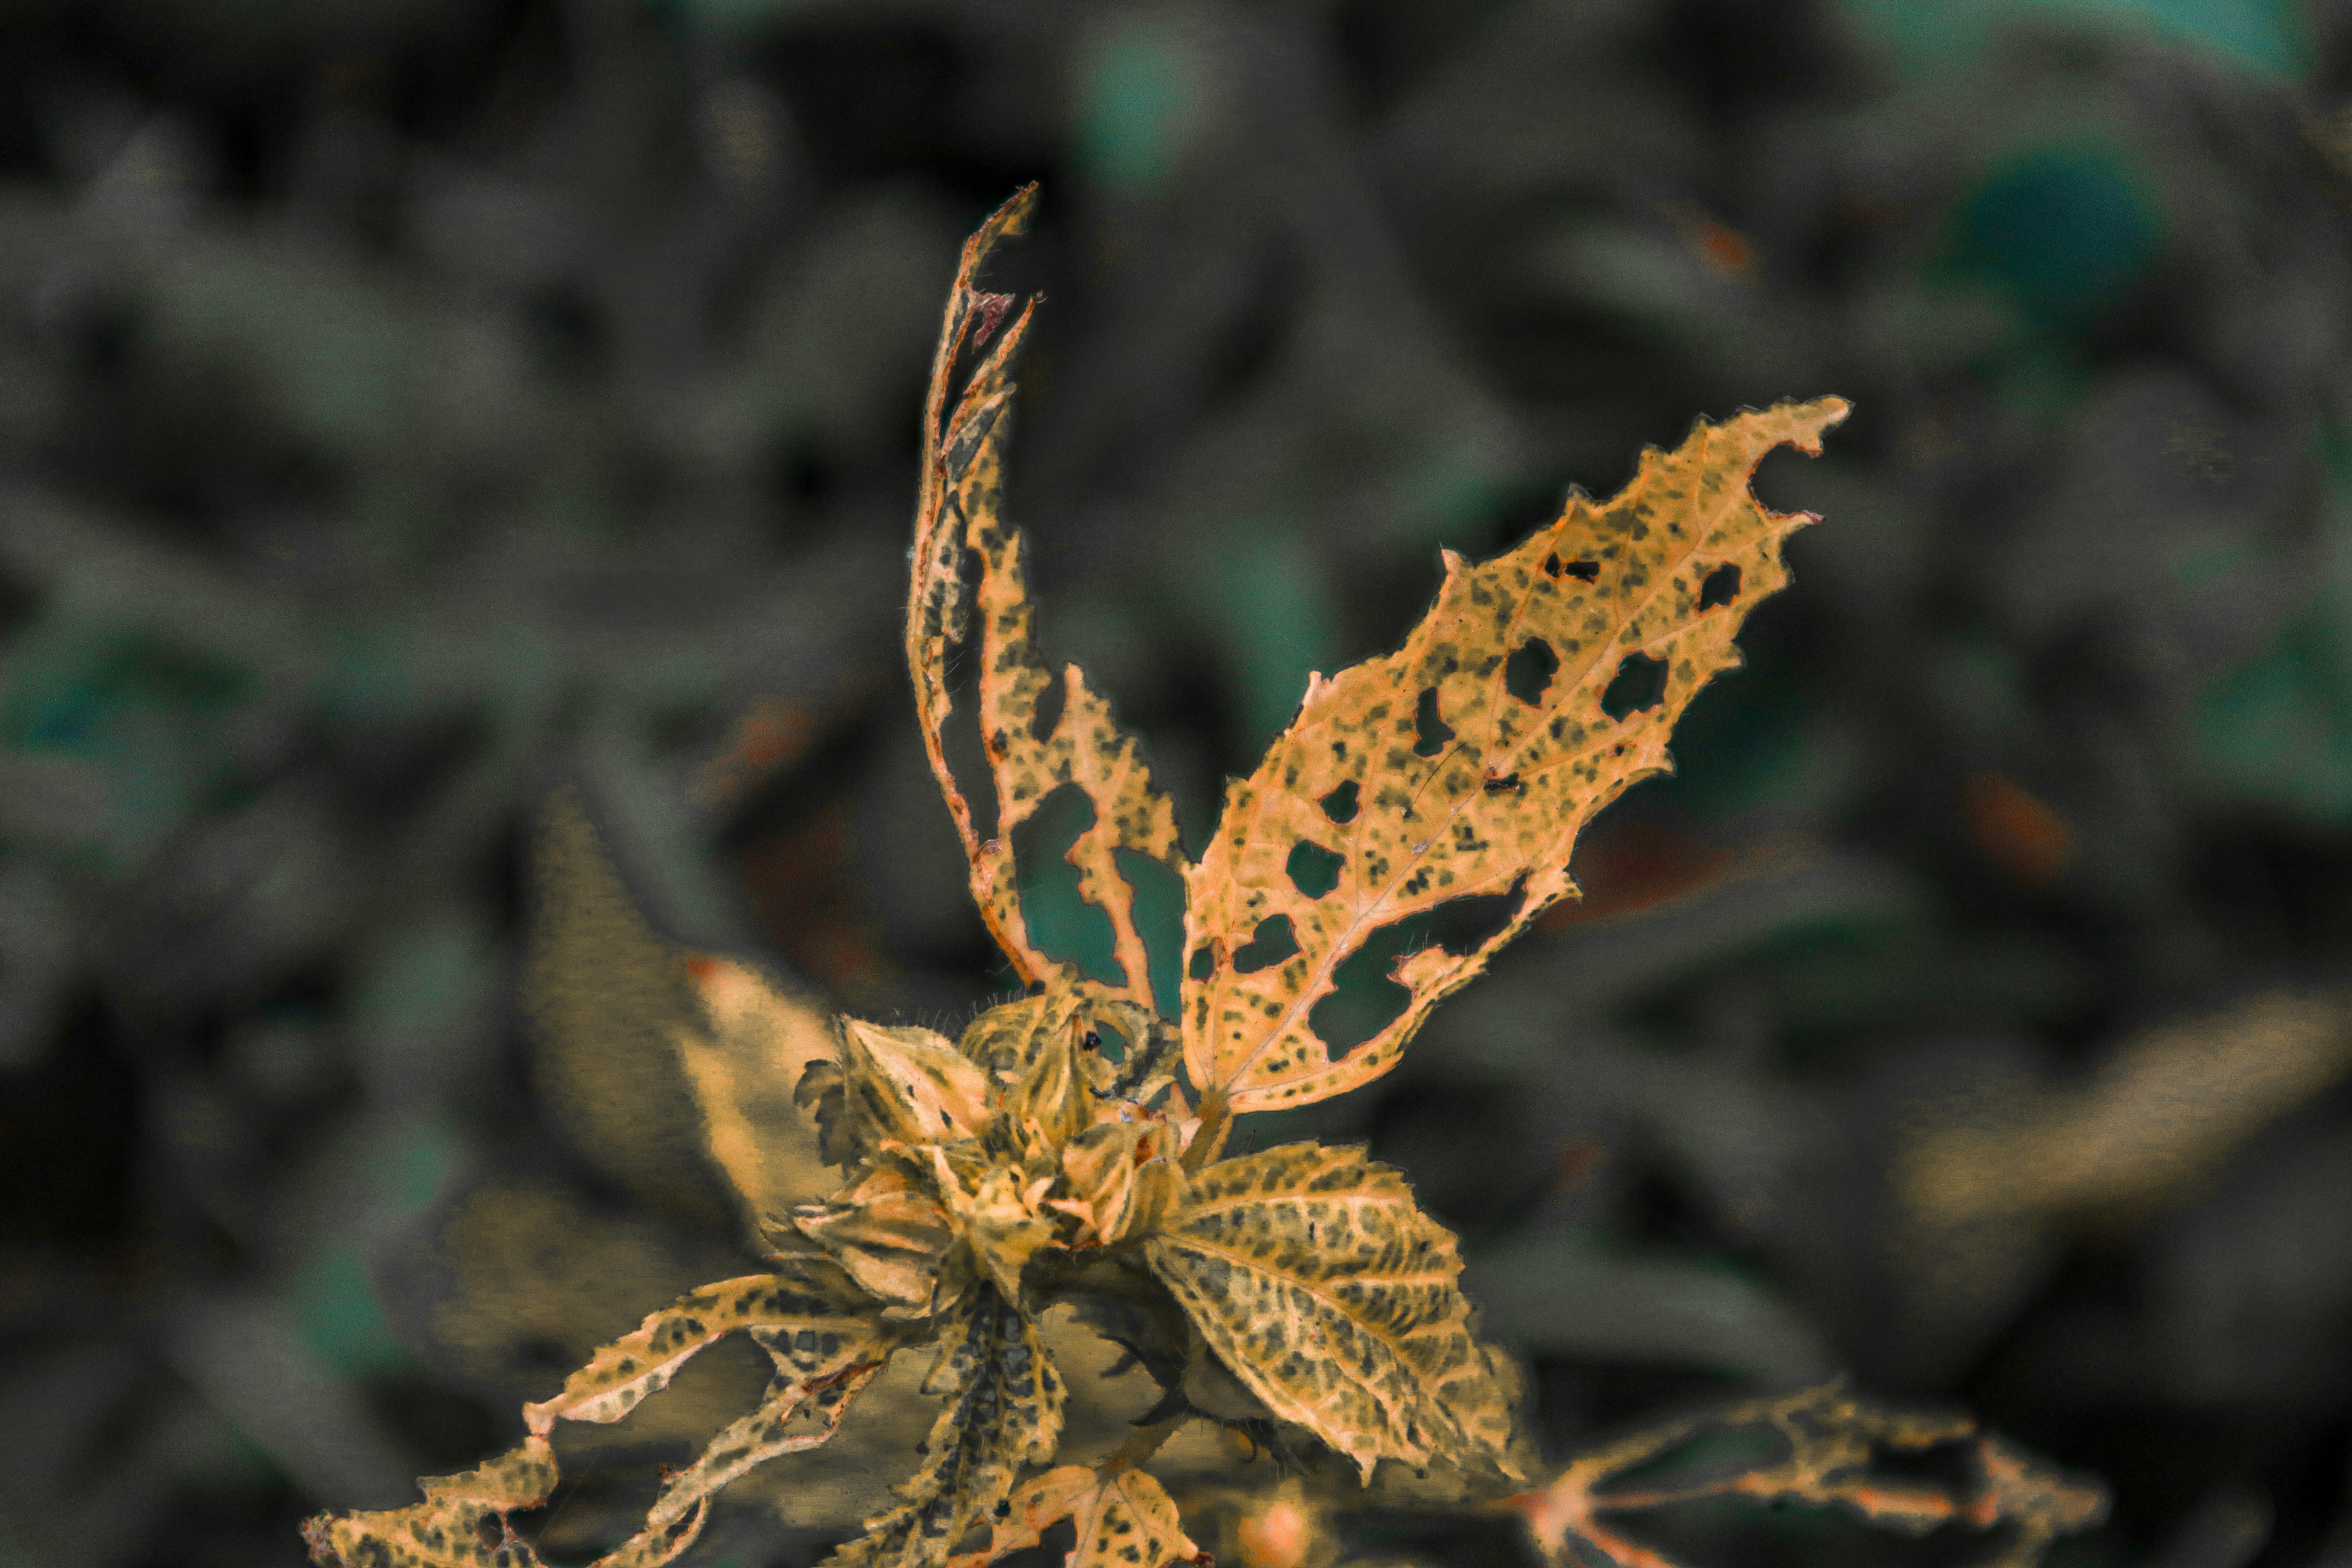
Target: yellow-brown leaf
[1129,1521]
[1124,1520]
[1004,1410]
[1316,1279]
[1465,764]
[909,1085]
[888,1232]
[958,521]
[805,1295]
[461,1521]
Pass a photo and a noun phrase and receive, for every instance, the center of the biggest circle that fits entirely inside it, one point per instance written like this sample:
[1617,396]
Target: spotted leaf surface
[1129,1521]
[804,1296]
[461,1523]
[1319,1283]
[1124,1520]
[1461,766]
[1004,1410]
[1040,729]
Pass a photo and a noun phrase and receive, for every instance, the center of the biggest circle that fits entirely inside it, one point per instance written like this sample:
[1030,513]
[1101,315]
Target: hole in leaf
[1272,943]
[1640,683]
[1203,964]
[1050,703]
[1722,586]
[1582,571]
[1528,671]
[1313,870]
[1060,923]
[1364,1000]
[1433,731]
[1158,919]
[1339,805]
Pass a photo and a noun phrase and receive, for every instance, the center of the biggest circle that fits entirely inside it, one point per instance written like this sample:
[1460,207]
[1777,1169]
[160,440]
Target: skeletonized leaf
[1828,1438]
[804,1295]
[1315,1277]
[1032,749]
[1539,686]
[1004,1410]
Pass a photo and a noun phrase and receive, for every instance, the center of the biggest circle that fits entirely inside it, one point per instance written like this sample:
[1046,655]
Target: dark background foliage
[410,406]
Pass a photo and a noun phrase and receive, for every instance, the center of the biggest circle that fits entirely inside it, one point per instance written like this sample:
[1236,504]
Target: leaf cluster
[1070,1145]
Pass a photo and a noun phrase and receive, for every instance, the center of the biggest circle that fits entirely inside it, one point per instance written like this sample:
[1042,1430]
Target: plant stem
[1217,1120]
[1142,1446]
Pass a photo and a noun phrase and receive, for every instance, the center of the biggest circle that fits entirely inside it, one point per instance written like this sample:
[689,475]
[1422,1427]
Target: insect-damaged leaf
[1003,1411]
[461,1523]
[804,1296]
[1032,749]
[1125,1520]
[1539,685]
[1316,1278]
[1827,1439]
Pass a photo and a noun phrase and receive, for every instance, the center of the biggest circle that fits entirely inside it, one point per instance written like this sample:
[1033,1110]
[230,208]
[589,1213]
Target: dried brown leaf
[957,525]
[1465,764]
[1828,1438]
[1316,1278]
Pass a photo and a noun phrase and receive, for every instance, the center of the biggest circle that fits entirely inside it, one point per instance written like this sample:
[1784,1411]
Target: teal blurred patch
[1274,617]
[340,1317]
[1159,920]
[151,718]
[2268,36]
[2065,232]
[2277,731]
[1742,744]
[333,1304]
[1132,93]
[1061,925]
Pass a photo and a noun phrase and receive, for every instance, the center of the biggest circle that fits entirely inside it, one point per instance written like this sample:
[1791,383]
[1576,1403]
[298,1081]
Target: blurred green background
[411,409]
